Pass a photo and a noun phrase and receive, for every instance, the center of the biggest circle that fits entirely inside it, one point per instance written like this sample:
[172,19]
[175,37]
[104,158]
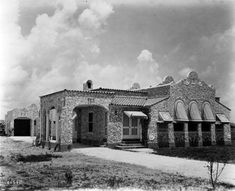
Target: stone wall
[56,101]
[159,91]
[187,90]
[152,126]
[80,100]
[31,112]
[97,136]
[115,125]
[219,108]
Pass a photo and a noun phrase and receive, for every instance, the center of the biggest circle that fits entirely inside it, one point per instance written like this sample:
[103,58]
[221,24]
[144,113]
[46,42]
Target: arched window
[194,112]
[180,112]
[208,115]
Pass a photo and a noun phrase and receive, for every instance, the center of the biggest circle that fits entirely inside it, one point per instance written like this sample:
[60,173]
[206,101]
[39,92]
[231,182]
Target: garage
[22,127]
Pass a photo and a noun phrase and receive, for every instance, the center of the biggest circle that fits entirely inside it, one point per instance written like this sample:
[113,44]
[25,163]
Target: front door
[131,130]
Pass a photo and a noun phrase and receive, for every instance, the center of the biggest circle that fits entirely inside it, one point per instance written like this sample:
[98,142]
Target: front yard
[24,167]
[203,153]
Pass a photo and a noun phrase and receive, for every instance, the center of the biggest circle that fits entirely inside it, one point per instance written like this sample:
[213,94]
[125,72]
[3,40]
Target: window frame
[90,123]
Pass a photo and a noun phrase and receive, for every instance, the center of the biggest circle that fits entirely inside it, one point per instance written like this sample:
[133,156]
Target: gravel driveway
[186,167]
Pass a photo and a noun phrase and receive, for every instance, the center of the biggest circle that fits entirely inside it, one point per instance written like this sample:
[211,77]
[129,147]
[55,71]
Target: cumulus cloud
[96,15]
[185,71]
[146,68]
[53,54]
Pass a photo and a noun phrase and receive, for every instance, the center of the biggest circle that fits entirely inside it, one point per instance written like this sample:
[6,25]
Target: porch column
[186,138]
[47,125]
[199,130]
[213,140]
[140,129]
[171,135]
[40,124]
[227,134]
[32,127]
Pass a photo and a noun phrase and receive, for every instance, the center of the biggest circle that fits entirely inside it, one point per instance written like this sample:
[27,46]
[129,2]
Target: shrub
[216,163]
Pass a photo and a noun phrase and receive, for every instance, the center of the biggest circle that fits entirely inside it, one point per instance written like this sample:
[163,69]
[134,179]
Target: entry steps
[129,144]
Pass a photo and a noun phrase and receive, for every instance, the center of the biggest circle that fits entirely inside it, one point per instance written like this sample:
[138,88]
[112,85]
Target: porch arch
[89,124]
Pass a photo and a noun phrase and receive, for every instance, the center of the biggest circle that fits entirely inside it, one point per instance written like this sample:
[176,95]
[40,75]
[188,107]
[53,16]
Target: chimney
[217,99]
[88,85]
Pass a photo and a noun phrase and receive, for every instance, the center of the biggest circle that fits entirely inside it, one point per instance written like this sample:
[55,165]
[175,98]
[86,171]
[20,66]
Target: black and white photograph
[117,95]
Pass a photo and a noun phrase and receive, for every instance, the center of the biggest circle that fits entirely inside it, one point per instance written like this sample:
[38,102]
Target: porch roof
[139,114]
[222,118]
[165,116]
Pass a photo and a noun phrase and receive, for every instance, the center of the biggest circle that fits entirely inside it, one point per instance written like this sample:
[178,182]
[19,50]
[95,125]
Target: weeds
[33,158]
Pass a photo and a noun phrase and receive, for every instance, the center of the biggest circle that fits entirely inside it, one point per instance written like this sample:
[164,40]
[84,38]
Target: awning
[194,113]
[180,112]
[222,118]
[165,116]
[208,114]
[138,114]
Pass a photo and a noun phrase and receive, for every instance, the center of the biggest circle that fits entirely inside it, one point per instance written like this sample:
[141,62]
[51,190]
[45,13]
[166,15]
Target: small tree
[216,162]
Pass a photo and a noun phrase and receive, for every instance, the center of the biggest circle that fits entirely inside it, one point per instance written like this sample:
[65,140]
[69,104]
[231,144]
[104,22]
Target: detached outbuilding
[172,114]
[23,122]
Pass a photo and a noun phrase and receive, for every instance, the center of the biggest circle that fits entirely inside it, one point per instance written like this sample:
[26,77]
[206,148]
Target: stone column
[213,139]
[152,136]
[186,137]
[32,127]
[47,125]
[41,123]
[171,135]
[199,130]
[227,134]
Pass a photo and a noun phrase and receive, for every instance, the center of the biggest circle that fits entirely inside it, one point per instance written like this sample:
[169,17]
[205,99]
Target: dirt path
[191,168]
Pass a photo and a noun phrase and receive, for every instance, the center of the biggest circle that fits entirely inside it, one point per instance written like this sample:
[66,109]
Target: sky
[48,46]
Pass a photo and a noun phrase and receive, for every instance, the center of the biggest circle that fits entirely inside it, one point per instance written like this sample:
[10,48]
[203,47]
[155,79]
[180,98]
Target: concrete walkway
[190,168]
[28,139]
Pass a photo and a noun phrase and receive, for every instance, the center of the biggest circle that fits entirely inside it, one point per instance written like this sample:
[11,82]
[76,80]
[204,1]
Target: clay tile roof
[136,101]
[130,100]
[152,101]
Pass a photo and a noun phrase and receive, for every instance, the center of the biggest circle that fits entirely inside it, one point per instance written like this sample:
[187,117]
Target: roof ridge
[223,105]
[130,96]
[139,91]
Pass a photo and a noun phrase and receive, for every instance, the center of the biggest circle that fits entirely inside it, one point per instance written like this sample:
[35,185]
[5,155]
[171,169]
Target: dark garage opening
[22,127]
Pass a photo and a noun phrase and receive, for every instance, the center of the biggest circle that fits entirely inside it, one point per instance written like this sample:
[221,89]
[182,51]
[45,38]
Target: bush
[214,166]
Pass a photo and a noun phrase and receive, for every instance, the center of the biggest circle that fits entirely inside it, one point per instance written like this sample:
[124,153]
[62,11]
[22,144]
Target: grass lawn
[203,153]
[24,167]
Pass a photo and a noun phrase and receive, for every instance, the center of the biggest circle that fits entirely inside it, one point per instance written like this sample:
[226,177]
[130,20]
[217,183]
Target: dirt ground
[24,167]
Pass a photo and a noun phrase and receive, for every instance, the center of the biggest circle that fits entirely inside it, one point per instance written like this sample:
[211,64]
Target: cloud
[145,56]
[146,71]
[185,71]
[95,16]
[53,54]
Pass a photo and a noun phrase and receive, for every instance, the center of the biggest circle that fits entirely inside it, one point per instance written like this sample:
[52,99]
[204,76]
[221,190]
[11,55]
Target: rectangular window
[125,121]
[134,122]
[35,122]
[90,122]
[106,119]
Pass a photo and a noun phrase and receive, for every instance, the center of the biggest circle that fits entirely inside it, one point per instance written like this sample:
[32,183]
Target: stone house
[23,122]
[172,114]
